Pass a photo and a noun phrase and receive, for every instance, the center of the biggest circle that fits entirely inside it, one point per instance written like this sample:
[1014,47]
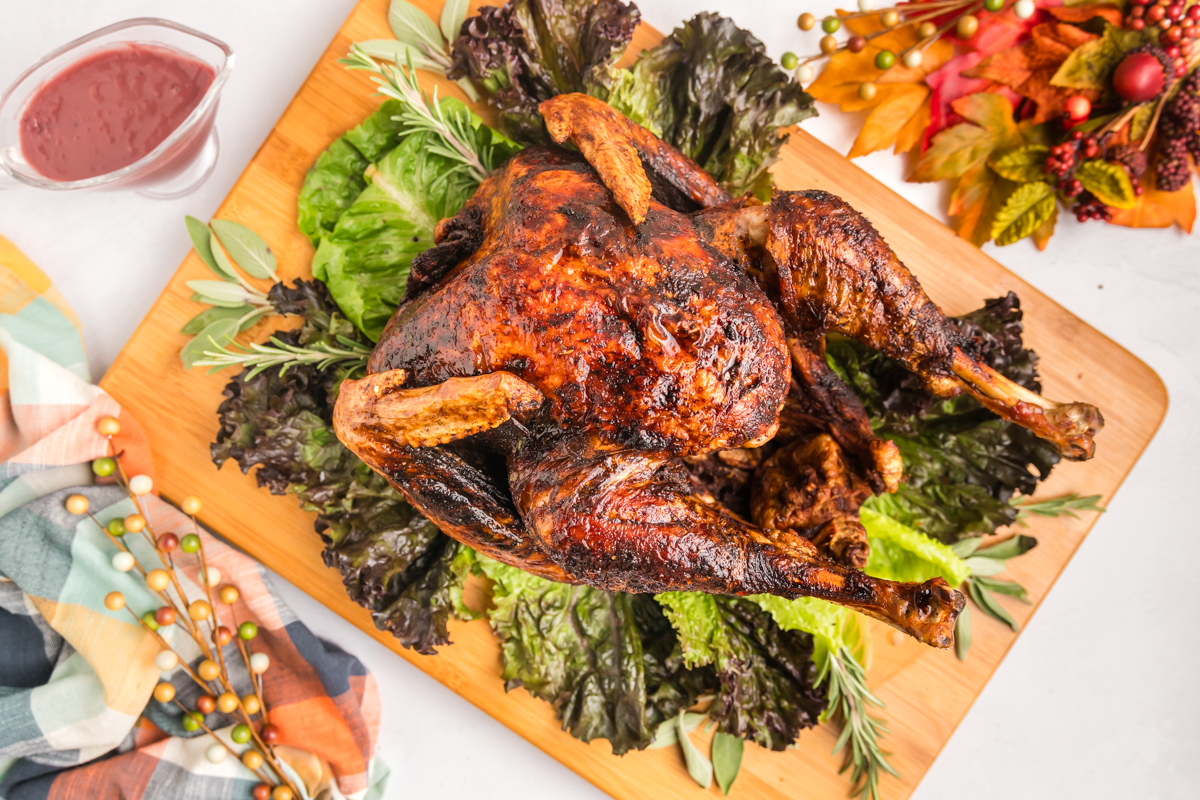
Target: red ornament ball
[269,734]
[168,542]
[165,616]
[205,704]
[1078,107]
[1138,78]
[262,791]
[855,44]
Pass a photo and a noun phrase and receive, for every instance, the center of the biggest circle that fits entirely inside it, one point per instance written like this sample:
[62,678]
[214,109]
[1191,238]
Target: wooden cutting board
[927,691]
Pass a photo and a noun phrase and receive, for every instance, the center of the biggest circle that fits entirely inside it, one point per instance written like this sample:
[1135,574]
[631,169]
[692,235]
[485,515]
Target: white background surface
[1098,698]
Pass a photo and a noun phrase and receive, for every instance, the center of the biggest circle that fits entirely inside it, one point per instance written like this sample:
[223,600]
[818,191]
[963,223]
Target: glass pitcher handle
[7,181]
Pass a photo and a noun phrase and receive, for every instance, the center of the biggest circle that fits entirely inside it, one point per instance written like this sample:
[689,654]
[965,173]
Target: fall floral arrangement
[1025,105]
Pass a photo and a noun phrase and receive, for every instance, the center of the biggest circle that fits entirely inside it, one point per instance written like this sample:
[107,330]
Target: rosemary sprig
[849,700]
[455,136]
[283,355]
[1057,507]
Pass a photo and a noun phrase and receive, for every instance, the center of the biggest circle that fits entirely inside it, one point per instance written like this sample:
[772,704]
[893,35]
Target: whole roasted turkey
[596,319]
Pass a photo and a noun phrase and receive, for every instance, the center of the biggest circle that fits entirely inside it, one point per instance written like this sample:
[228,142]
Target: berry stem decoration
[200,618]
[1028,106]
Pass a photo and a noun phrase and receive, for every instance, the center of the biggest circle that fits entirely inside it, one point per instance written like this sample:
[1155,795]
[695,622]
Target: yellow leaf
[1156,209]
[1041,237]
[900,104]
[911,134]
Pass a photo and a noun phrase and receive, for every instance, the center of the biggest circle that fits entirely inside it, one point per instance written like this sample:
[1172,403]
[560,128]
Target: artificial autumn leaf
[1082,13]
[899,112]
[1041,237]
[1109,182]
[1000,31]
[1029,68]
[1025,211]
[1156,209]
[1021,164]
[1090,65]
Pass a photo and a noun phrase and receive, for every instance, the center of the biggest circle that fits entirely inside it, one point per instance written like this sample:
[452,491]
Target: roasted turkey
[597,318]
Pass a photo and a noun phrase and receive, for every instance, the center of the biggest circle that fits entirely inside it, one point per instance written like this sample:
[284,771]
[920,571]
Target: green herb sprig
[849,702]
[1066,505]
[419,41]
[459,139]
[351,356]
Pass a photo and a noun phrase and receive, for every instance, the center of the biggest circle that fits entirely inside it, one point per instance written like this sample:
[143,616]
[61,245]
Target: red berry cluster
[1065,157]
[1089,207]
[1178,25]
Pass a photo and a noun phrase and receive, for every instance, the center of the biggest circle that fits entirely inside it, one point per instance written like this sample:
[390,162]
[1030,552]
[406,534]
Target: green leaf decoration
[400,53]
[211,315]
[413,26]
[202,243]
[246,248]
[220,293]
[453,14]
[1066,505]
[214,336]
[1140,123]
[667,732]
[1109,182]
[699,767]
[1009,548]
[1021,164]
[1010,588]
[985,566]
[1090,66]
[1026,210]
[962,634]
[988,605]
[727,759]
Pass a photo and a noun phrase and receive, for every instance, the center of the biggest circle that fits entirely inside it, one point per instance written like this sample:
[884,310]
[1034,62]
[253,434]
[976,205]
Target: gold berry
[157,579]
[77,504]
[806,21]
[252,759]
[829,45]
[135,523]
[191,505]
[164,692]
[114,601]
[866,91]
[199,609]
[208,670]
[108,426]
[282,792]
[926,29]
[228,595]
[251,704]
[227,703]
[890,18]
[967,26]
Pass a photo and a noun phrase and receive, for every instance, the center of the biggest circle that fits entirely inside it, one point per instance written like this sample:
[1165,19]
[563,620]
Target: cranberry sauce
[109,109]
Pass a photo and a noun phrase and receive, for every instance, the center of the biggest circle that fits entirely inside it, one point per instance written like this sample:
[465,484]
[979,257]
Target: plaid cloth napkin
[76,715]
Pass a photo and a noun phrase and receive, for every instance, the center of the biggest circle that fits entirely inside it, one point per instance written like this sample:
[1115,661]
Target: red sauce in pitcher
[110,109]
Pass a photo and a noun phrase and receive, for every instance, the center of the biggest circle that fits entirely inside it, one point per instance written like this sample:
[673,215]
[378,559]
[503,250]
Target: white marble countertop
[1100,696]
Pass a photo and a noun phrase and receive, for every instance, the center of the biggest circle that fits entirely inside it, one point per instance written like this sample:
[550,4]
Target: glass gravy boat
[179,163]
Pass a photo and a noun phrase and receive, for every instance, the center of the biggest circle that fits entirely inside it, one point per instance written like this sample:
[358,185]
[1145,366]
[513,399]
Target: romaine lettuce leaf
[336,179]
[899,553]
[365,259]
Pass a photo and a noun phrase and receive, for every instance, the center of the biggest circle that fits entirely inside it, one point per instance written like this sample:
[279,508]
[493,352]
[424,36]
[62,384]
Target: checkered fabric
[77,719]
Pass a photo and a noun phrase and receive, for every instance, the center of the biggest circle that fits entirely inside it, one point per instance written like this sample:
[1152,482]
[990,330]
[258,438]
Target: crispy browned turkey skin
[572,341]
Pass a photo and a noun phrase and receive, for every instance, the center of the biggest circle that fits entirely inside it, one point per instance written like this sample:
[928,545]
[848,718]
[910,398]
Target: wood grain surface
[927,691]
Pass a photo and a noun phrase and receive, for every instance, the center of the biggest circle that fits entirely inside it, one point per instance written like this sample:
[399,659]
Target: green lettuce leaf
[899,553]
[365,259]
[336,178]
[393,561]
[604,660]
[766,676]
[711,90]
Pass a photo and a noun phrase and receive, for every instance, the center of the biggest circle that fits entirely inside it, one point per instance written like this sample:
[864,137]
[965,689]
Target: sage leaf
[988,605]
[211,315]
[201,238]
[399,52]
[1009,548]
[214,336]
[453,14]
[726,759]
[699,767]
[1010,588]
[246,248]
[1021,164]
[413,26]
[964,548]
[985,566]
[1109,182]
[962,634]
[1024,212]
[667,732]
[220,293]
